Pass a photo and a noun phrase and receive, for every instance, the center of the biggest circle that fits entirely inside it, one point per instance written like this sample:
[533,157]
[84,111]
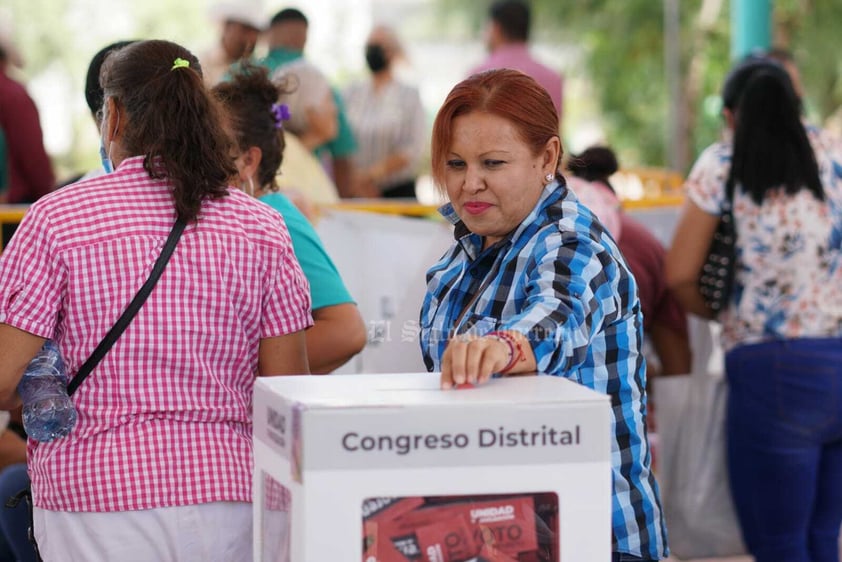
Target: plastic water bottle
[48,412]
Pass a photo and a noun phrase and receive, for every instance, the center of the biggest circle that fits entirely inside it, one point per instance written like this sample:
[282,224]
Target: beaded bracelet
[513,345]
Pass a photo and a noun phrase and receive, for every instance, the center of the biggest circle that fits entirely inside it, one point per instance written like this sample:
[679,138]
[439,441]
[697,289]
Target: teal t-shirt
[344,144]
[278,57]
[326,286]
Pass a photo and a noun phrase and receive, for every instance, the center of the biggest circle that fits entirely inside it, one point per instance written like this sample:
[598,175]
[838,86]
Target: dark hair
[771,146]
[738,77]
[248,99]
[93,91]
[597,163]
[513,18]
[171,119]
[787,61]
[506,93]
[288,14]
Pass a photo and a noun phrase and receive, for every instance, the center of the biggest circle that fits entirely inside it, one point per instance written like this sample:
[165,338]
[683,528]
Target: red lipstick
[476,207]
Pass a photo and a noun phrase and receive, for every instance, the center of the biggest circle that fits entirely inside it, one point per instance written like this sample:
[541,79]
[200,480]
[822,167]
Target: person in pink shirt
[664,319]
[507,39]
[159,464]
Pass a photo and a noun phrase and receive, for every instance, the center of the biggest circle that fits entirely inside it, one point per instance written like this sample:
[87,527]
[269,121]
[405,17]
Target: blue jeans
[785,447]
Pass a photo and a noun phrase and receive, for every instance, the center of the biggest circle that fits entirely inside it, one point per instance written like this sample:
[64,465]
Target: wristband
[515,350]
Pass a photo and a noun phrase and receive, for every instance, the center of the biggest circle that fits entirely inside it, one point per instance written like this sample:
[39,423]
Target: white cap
[7,41]
[248,12]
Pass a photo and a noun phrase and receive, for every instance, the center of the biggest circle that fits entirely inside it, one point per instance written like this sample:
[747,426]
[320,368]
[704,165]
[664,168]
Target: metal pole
[751,26]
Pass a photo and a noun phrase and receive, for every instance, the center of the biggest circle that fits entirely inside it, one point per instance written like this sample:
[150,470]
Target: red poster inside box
[498,528]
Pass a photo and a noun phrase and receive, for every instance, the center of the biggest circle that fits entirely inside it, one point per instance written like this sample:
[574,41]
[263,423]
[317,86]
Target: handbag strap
[728,203]
[125,319]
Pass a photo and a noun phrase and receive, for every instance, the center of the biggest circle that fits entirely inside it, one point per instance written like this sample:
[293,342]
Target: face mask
[104,155]
[106,161]
[375,56]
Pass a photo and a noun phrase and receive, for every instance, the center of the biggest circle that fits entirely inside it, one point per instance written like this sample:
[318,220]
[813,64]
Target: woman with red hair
[534,283]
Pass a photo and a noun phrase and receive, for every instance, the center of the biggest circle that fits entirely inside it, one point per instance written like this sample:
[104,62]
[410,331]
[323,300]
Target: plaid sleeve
[582,317]
[31,277]
[571,293]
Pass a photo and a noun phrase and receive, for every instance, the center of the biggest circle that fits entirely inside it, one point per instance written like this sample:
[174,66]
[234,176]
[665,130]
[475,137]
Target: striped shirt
[387,121]
[165,419]
[560,280]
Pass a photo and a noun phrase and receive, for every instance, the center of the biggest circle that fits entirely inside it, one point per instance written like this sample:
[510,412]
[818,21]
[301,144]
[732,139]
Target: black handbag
[716,279]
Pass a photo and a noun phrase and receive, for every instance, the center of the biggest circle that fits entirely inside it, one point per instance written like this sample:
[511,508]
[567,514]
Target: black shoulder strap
[730,184]
[125,319]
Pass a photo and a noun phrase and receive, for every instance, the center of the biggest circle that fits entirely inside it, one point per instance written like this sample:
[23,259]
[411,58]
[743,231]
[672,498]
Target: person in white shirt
[389,122]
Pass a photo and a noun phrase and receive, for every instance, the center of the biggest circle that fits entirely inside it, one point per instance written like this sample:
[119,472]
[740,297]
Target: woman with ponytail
[159,464]
[782,327]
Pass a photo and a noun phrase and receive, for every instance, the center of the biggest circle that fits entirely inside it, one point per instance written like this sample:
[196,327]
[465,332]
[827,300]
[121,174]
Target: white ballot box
[388,468]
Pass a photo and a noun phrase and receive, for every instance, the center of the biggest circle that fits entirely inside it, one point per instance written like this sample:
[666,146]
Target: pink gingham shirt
[165,419]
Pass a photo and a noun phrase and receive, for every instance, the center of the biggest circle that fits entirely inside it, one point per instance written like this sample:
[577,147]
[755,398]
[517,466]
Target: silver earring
[549,177]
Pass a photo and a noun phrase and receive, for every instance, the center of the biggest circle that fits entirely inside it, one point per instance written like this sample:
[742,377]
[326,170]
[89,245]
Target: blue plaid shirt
[560,280]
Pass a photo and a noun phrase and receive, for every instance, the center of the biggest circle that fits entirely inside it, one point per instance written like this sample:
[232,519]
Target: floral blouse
[789,250]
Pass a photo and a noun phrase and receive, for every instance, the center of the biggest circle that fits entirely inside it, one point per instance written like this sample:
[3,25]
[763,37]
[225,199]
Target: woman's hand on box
[472,360]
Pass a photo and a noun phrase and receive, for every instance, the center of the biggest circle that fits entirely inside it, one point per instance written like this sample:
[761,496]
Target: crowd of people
[546,274]
[368,137]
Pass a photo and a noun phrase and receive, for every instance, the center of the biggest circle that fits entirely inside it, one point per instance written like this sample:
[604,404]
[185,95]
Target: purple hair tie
[280,111]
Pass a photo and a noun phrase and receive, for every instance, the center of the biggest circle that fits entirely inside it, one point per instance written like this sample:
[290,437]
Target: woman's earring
[549,177]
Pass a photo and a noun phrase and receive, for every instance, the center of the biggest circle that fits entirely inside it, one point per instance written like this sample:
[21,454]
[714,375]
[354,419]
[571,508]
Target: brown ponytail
[171,120]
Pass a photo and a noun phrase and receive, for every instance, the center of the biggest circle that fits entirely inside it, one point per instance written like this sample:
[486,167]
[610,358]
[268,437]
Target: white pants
[212,532]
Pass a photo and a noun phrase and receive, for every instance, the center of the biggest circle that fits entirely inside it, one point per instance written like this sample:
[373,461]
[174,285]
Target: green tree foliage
[623,44]
[810,29]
